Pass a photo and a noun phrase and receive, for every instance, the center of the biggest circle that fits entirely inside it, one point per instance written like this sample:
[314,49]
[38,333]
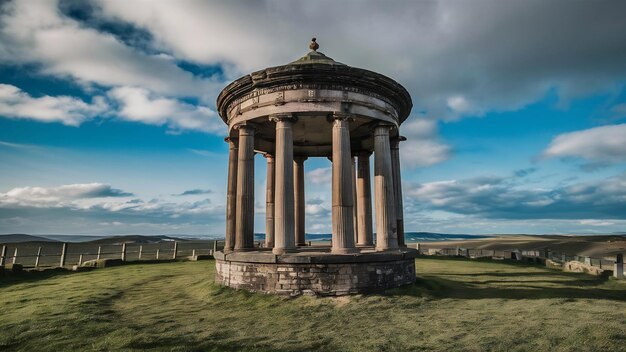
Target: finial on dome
[313,46]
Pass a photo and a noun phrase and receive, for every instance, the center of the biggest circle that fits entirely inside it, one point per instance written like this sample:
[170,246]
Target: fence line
[32,256]
[545,256]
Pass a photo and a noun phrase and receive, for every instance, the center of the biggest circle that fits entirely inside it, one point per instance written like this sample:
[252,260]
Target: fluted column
[244,230]
[364,200]
[269,202]
[342,214]
[386,235]
[397,187]
[231,194]
[355,215]
[298,180]
[284,239]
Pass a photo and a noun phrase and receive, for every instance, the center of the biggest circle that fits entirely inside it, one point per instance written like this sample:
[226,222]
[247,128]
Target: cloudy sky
[108,122]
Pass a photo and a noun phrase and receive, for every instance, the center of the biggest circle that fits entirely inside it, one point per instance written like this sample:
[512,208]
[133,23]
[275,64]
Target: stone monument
[315,107]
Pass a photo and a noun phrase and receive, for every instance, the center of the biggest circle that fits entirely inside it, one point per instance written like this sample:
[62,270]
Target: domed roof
[315,57]
[315,68]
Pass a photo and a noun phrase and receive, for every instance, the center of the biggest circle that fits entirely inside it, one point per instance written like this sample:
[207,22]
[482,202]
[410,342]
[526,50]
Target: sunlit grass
[456,305]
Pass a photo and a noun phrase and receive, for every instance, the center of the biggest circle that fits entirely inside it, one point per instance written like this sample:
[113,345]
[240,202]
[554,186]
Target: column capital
[283,117]
[245,127]
[364,153]
[268,156]
[233,142]
[300,158]
[341,116]
[395,142]
[382,128]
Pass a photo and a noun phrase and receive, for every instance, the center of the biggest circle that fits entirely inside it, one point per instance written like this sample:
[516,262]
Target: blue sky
[108,122]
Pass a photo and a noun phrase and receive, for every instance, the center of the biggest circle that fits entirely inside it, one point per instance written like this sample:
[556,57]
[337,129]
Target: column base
[344,250]
[243,249]
[281,251]
[383,249]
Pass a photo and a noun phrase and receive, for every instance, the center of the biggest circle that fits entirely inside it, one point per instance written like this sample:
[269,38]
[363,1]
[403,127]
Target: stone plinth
[316,271]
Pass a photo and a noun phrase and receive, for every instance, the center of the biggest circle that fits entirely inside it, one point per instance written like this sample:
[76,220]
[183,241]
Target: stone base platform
[315,271]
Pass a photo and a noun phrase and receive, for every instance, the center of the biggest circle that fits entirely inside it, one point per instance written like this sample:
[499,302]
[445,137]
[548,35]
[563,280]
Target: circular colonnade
[315,107]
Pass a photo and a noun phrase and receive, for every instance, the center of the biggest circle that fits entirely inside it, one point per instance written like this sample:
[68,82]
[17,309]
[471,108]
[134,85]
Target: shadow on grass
[31,275]
[24,276]
[493,284]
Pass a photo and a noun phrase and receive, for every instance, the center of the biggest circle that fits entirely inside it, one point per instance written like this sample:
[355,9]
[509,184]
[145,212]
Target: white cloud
[461,105]
[316,210]
[137,104]
[455,60]
[422,147]
[320,176]
[97,203]
[36,32]
[57,196]
[592,222]
[502,198]
[598,144]
[15,103]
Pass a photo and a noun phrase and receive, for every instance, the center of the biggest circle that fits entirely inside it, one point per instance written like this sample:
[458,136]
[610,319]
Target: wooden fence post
[175,250]
[140,251]
[618,271]
[38,256]
[63,254]
[3,255]
[15,256]
[157,253]
[99,252]
[124,251]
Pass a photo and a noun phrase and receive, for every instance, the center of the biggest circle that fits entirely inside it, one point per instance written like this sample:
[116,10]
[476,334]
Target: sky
[108,122]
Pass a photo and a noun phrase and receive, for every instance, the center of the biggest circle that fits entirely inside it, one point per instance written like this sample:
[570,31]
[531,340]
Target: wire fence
[50,255]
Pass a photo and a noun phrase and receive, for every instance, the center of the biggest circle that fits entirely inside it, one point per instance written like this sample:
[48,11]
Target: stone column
[386,235]
[397,187]
[342,215]
[269,202]
[284,239]
[364,200]
[231,195]
[355,215]
[298,181]
[244,217]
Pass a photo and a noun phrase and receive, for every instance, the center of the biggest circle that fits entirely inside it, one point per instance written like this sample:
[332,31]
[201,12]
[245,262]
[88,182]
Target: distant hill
[19,237]
[409,236]
[135,239]
[432,236]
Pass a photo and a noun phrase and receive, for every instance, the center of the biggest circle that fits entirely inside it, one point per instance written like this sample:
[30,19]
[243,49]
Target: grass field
[456,305]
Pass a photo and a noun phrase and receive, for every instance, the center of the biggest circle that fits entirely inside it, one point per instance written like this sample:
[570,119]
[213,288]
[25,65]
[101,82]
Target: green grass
[456,305]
